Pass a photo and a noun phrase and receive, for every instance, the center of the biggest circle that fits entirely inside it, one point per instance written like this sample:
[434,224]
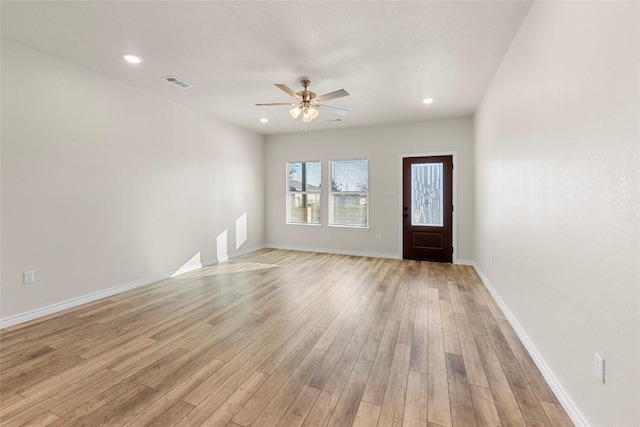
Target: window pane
[304,208]
[304,176]
[295,176]
[427,194]
[313,176]
[350,175]
[349,210]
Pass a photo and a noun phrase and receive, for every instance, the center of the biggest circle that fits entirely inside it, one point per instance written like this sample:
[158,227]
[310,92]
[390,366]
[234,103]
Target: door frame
[454,215]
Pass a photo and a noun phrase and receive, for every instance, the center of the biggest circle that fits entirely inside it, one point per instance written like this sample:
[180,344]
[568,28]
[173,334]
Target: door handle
[405,215]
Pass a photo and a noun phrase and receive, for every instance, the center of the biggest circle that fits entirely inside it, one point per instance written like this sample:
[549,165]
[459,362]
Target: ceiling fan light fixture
[306,117]
[314,113]
[295,112]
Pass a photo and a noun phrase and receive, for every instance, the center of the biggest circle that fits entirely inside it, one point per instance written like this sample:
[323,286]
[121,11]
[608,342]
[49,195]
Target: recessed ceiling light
[132,59]
[263,120]
[428,100]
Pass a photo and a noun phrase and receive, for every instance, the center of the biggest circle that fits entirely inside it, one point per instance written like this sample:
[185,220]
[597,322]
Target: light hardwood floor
[280,338]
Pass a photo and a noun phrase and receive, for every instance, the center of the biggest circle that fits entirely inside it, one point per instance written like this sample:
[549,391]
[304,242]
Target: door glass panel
[427,194]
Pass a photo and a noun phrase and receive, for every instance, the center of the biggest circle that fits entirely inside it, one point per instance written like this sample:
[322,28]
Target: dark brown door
[427,208]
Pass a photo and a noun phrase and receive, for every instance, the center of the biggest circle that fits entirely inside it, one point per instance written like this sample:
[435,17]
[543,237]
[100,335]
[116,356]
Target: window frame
[331,193]
[306,192]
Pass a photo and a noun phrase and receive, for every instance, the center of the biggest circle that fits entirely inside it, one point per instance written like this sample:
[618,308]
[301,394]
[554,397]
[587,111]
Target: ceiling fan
[307,103]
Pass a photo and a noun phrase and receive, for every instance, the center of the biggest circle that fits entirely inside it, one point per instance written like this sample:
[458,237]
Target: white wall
[103,184]
[557,197]
[382,145]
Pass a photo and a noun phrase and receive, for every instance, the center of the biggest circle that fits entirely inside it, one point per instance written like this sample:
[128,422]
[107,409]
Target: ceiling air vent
[176,81]
[334,121]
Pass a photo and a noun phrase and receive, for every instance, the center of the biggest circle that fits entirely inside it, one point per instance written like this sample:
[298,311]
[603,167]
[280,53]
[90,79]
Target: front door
[427,208]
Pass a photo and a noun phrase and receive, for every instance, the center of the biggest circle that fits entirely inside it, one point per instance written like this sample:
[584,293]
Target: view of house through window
[303,192]
[348,198]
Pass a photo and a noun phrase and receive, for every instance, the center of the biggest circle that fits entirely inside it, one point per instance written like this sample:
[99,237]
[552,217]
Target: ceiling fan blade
[334,110]
[276,103]
[288,90]
[333,95]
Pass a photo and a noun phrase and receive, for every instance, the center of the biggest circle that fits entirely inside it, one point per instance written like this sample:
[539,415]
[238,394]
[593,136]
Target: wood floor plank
[415,408]
[556,414]
[282,338]
[439,410]
[455,298]
[332,355]
[299,408]
[459,395]
[320,413]
[43,420]
[256,404]
[374,331]
[534,377]
[254,356]
[236,401]
[405,333]
[214,391]
[484,407]
[506,403]
[336,325]
[451,340]
[173,416]
[377,384]
[367,415]
[500,344]
[392,409]
[281,401]
[433,302]
[369,316]
[530,407]
[47,401]
[175,390]
[420,341]
[101,407]
[347,406]
[472,361]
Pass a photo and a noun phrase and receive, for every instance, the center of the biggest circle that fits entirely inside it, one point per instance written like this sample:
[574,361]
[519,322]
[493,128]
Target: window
[303,192]
[348,199]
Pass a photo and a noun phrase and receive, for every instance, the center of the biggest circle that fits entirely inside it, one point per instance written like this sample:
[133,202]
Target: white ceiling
[387,55]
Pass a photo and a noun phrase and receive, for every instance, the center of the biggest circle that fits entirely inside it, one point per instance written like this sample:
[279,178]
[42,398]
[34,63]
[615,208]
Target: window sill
[296,224]
[348,227]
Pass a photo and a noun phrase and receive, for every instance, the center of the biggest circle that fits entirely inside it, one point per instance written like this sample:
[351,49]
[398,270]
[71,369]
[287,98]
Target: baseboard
[65,305]
[348,252]
[247,251]
[564,399]
[333,251]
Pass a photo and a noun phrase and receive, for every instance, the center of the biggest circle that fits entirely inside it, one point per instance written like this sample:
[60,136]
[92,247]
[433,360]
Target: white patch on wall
[223,247]
[193,264]
[241,230]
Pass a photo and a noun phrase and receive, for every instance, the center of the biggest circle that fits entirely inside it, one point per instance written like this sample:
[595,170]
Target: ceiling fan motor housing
[305,95]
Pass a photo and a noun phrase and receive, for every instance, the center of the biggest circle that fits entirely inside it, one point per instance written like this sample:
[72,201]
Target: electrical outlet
[28,277]
[491,259]
[598,367]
